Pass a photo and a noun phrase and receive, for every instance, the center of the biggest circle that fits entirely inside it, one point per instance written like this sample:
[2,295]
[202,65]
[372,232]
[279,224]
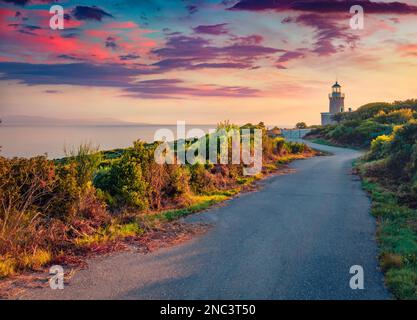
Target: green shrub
[26,187]
[201,180]
[281,147]
[178,181]
[403,282]
[86,159]
[124,182]
[379,147]
[400,116]
[43,205]
[297,147]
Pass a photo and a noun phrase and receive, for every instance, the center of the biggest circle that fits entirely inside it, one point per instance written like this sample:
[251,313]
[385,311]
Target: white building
[336,104]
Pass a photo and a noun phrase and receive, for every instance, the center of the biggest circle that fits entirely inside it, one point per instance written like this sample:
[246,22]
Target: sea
[29,141]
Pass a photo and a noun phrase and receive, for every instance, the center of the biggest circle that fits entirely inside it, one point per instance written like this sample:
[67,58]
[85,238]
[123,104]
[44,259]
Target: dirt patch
[166,235]
[13,287]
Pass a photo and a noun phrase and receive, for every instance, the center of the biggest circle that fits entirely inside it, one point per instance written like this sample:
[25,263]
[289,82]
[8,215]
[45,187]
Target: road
[296,238]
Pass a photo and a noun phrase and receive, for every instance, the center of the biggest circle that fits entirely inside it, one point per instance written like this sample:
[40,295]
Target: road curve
[296,238]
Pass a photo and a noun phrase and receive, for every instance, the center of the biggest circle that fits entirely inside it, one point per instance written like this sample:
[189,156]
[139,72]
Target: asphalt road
[296,238]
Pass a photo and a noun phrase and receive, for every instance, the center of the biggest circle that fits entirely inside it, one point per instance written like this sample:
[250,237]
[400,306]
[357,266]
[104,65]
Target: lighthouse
[336,104]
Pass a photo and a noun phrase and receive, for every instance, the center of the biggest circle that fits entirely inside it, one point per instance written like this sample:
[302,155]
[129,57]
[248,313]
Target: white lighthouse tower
[336,104]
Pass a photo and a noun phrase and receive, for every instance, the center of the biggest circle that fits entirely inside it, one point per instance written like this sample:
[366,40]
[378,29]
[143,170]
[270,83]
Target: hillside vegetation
[388,131]
[56,211]
[360,127]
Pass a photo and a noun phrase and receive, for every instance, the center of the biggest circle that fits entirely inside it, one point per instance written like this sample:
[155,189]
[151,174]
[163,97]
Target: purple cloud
[130,56]
[192,64]
[191,9]
[189,52]
[172,63]
[184,46]
[174,88]
[327,30]
[215,29]
[80,74]
[323,6]
[24,2]
[117,76]
[90,13]
[221,65]
[17,2]
[24,26]
[111,43]
[249,40]
[52,91]
[247,51]
[69,57]
[291,55]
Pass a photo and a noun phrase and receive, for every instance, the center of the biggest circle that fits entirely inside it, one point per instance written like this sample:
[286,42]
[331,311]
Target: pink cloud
[408,49]
[29,31]
[122,25]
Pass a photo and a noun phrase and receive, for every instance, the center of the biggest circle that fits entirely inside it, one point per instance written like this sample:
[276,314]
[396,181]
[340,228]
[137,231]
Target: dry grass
[390,260]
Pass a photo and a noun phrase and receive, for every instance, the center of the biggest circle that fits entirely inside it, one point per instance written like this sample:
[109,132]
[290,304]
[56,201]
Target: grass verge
[397,238]
[329,143]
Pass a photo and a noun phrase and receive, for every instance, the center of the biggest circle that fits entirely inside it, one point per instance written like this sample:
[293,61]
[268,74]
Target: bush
[301,125]
[178,181]
[297,147]
[201,180]
[403,151]
[379,147]
[136,181]
[26,186]
[42,206]
[281,148]
[403,282]
[357,133]
[400,116]
[124,182]
[86,159]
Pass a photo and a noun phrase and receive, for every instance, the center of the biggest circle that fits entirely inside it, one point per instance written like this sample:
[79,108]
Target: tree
[301,125]
[227,126]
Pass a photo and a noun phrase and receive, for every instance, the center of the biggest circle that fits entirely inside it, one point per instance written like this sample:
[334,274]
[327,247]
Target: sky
[203,61]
